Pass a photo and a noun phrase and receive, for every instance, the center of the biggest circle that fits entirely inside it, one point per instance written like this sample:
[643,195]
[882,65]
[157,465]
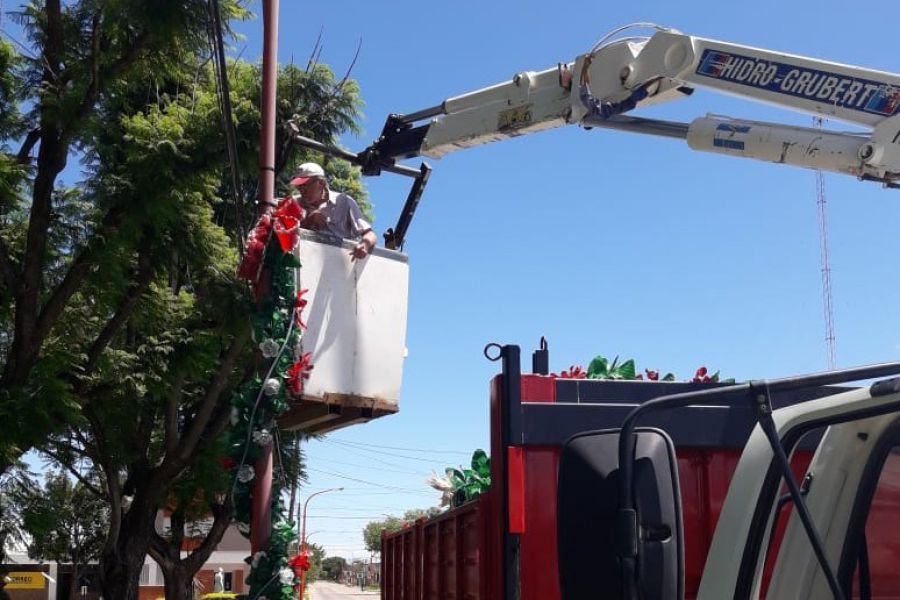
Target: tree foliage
[333,567]
[123,331]
[373,530]
[17,486]
[66,522]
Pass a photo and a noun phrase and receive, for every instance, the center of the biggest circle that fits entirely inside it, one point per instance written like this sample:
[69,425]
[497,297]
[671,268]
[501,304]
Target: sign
[843,91]
[25,580]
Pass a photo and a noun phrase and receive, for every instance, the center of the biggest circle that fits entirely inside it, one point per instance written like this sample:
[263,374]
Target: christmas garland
[270,265]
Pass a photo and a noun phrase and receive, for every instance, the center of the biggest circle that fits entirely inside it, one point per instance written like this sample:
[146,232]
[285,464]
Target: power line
[367,454]
[381,452]
[380,485]
[402,472]
[369,518]
[432,451]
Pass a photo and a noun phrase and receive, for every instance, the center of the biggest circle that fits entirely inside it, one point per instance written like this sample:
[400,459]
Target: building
[52,581]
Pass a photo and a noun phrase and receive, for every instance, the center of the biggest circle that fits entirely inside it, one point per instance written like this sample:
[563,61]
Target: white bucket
[356,319]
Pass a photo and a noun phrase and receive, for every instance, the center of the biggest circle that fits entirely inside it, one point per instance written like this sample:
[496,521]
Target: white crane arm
[669,65]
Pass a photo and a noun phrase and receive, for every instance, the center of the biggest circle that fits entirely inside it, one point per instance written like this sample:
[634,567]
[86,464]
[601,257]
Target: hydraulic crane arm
[670,65]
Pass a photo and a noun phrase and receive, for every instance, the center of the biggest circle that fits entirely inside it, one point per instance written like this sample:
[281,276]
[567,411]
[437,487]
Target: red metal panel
[516,495]
[538,388]
[538,570]
[882,526]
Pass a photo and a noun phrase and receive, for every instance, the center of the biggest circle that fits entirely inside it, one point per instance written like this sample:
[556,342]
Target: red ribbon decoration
[299,305]
[298,373]
[287,223]
[300,563]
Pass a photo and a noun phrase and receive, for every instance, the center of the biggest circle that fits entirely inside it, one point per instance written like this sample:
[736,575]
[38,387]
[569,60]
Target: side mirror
[587,518]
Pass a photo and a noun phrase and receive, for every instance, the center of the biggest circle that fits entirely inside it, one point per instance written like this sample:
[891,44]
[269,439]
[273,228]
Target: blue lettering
[782,78]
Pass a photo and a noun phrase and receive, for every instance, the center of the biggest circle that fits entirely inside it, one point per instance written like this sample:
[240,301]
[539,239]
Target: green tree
[84,54]
[17,485]
[333,567]
[372,530]
[122,329]
[66,522]
[316,556]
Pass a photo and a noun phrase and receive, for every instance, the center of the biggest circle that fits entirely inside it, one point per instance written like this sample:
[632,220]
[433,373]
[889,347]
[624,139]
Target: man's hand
[314,220]
[365,245]
[361,250]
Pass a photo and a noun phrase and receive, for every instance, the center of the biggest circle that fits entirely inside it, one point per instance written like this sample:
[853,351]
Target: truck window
[876,575]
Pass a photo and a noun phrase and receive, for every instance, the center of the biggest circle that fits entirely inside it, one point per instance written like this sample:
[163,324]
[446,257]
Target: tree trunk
[179,583]
[178,572]
[123,560]
[73,589]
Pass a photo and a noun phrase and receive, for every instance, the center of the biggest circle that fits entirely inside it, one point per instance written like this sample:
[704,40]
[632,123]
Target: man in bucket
[331,212]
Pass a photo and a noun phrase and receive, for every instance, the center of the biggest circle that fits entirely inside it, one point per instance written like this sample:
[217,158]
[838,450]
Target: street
[328,590]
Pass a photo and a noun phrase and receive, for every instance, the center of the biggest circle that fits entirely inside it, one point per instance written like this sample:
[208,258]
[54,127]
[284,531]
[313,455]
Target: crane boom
[671,65]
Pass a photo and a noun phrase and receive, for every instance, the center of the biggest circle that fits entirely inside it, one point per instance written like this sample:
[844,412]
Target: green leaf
[625,371]
[598,368]
[669,377]
[290,260]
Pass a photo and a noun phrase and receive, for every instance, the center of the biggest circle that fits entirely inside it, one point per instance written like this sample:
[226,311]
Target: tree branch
[189,441]
[159,550]
[98,78]
[221,520]
[90,486]
[137,289]
[54,306]
[28,145]
[9,272]
[171,414]
[53,45]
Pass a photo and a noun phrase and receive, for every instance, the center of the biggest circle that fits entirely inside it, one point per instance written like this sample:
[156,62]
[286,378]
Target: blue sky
[606,243]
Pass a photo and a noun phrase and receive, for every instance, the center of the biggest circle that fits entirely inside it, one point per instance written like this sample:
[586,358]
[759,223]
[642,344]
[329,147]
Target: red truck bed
[503,546]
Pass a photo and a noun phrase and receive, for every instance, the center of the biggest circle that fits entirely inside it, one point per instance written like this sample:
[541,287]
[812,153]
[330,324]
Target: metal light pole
[261,509]
[303,533]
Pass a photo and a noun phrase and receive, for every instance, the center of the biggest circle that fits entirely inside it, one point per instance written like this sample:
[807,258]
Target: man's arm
[363,229]
[364,247]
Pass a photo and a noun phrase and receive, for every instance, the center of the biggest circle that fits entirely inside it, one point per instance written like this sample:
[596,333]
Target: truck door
[852,479]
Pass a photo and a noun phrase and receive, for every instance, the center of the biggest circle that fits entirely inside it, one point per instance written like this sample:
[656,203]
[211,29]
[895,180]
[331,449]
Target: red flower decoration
[287,222]
[251,262]
[299,372]
[652,375]
[701,376]
[299,305]
[227,462]
[574,372]
[300,563]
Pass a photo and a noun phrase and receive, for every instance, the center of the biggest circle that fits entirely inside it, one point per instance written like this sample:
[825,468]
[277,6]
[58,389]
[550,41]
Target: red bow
[298,373]
[300,563]
[299,305]
[287,223]
[251,262]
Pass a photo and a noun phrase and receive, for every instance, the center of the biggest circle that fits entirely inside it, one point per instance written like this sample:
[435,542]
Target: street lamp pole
[303,533]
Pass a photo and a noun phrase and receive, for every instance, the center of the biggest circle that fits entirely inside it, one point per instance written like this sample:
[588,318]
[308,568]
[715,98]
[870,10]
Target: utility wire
[224,93]
[366,454]
[372,483]
[431,451]
[381,452]
[369,467]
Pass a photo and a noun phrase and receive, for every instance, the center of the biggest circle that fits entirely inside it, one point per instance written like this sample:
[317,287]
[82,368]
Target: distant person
[219,581]
[332,212]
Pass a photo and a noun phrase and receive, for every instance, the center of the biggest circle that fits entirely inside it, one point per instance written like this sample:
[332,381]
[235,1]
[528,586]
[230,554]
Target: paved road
[327,590]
